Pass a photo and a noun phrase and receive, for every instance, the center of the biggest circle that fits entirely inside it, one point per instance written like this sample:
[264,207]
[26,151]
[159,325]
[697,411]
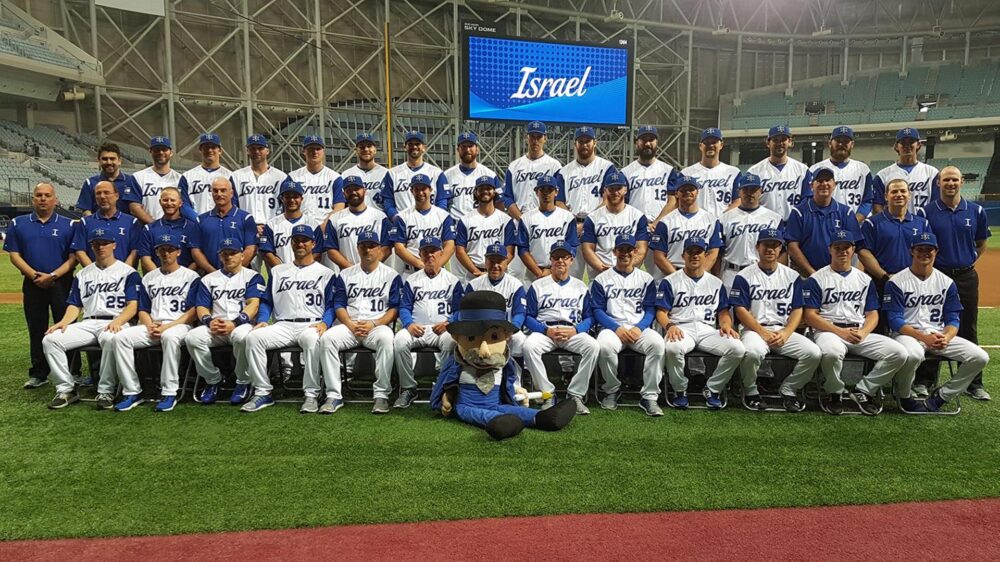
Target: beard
[647,153]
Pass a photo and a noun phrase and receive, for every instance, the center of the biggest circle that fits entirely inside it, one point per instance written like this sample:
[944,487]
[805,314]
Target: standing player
[542,227]
[523,174]
[853,178]
[322,188]
[603,226]
[125,229]
[340,235]
[480,229]
[223,222]
[785,182]
[299,296]
[428,298]
[371,172]
[226,304]
[719,181]
[841,305]
[396,196]
[129,199]
[196,183]
[811,224]
[166,309]
[686,221]
[422,221]
[497,279]
[740,227]
[173,223]
[153,179]
[559,316]
[275,242]
[651,181]
[624,303]
[921,178]
[366,303]
[460,180]
[767,299]
[256,186]
[581,179]
[107,292]
[924,310]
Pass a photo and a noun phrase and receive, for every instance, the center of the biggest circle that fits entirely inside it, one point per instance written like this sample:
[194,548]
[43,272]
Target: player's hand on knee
[57,327]
[320,328]
[728,332]
[674,333]
[416,330]
[114,326]
[260,325]
[623,334]
[440,328]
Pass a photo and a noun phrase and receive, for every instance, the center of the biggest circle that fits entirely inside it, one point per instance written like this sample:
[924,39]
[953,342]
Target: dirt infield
[964,529]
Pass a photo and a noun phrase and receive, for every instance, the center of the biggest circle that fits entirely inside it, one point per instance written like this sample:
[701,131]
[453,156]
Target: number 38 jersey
[104,292]
[692,300]
[166,296]
[769,297]
[429,300]
[295,292]
[367,296]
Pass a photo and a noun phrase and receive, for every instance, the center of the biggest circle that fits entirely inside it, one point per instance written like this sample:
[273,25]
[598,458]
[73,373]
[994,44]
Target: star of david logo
[925,236]
[99,232]
[841,234]
[228,241]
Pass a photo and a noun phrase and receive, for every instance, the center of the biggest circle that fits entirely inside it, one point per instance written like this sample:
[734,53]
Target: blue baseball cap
[924,239]
[209,138]
[536,128]
[711,133]
[779,131]
[546,180]
[303,231]
[688,180]
[496,250]
[840,236]
[562,246]
[770,234]
[415,135]
[584,132]
[313,139]
[695,242]
[486,180]
[647,130]
[232,244]
[749,180]
[100,234]
[907,133]
[157,141]
[823,170]
[624,240]
[364,137]
[291,186]
[257,140]
[615,178]
[167,240]
[431,242]
[419,179]
[468,136]
[350,181]
[842,131]
[368,237]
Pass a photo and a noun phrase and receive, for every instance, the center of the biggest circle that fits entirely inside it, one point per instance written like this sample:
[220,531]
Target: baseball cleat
[309,406]
[836,406]
[713,401]
[610,401]
[755,402]
[240,394]
[105,401]
[921,391]
[912,406]
[405,398]
[331,405]
[128,402]
[35,382]
[978,393]
[166,404]
[257,403]
[581,408]
[63,399]
[381,406]
[792,404]
[681,401]
[210,394]
[865,403]
[935,402]
[650,406]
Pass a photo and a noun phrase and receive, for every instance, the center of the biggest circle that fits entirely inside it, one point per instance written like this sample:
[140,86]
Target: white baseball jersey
[854,182]
[582,184]
[920,178]
[295,292]
[277,235]
[399,178]
[674,228]
[769,297]
[152,183]
[226,295]
[196,186]
[367,296]
[841,299]
[318,189]
[343,227]
[691,300]
[475,232]
[412,226]
[739,233]
[602,227]
[429,300]
[718,184]
[783,186]
[258,195]
[460,182]
[558,303]
[537,232]
[166,296]
[649,186]
[510,288]
[104,293]
[373,183]
[927,305]
[522,177]
[623,297]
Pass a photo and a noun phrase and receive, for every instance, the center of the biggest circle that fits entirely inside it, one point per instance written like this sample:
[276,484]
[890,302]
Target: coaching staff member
[38,244]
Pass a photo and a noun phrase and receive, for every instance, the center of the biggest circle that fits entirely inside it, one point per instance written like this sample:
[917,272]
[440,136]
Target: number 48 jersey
[551,302]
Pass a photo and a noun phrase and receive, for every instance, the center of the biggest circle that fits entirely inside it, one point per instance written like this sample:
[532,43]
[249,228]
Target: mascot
[478,384]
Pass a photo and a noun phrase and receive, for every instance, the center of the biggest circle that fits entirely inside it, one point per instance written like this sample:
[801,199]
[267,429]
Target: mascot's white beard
[470,357]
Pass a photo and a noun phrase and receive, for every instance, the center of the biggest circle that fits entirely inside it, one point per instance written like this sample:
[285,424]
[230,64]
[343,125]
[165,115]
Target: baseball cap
[688,180]
[209,138]
[431,242]
[231,244]
[364,137]
[496,250]
[907,133]
[486,180]
[313,139]
[102,234]
[468,136]
[770,234]
[167,240]
[419,179]
[711,133]
[695,242]
[823,170]
[546,180]
[562,246]
[648,130]
[353,180]
[290,186]
[749,180]
[303,231]
[615,178]
[779,131]
[257,140]
[160,141]
[625,240]
[840,236]
[415,135]
[368,237]
[842,131]
[584,132]
[536,127]
[924,239]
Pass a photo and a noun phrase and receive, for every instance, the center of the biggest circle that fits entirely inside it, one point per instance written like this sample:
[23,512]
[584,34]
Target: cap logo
[165,238]
[925,236]
[99,232]
[841,234]
[228,242]
[255,138]
[159,139]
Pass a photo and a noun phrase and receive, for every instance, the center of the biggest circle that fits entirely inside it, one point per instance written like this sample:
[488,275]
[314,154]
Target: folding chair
[425,376]
[852,378]
[630,364]
[286,391]
[357,385]
[768,382]
[696,383]
[148,362]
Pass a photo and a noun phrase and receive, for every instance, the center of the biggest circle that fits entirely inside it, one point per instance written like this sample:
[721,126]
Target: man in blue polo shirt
[122,227]
[109,156]
[885,245]
[38,244]
[225,221]
[811,224]
[172,222]
[962,228]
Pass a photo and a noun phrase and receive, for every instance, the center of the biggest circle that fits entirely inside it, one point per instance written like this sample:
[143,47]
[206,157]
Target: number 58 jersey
[769,297]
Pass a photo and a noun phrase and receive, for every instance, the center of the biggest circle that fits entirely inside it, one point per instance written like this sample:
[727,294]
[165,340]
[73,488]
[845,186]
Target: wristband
[206,320]
[241,319]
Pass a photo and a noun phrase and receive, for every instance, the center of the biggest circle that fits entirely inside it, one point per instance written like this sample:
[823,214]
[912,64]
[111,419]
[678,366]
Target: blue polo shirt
[128,192]
[812,227]
[213,229]
[957,231]
[186,231]
[888,238]
[123,226]
[43,245]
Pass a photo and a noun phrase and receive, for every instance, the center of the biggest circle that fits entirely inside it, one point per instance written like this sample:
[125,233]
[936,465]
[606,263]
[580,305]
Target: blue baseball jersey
[627,299]
[185,232]
[770,296]
[558,303]
[128,192]
[841,297]
[692,299]
[888,238]
[213,229]
[43,245]
[927,305]
[125,229]
[957,231]
[812,227]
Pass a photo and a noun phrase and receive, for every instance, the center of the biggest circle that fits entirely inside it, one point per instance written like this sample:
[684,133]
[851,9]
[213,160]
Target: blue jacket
[448,379]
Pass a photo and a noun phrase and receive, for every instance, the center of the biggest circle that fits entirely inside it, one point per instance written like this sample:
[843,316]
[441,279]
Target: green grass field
[994,240]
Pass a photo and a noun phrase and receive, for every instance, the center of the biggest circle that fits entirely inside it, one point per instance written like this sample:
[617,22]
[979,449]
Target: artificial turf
[79,472]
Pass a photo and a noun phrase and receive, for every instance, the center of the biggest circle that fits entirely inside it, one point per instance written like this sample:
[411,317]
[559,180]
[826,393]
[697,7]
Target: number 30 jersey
[295,292]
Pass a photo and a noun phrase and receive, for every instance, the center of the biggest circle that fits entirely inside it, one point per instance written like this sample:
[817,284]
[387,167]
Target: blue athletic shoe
[650,406]
[714,402]
[128,402]
[240,394]
[165,404]
[935,402]
[681,401]
[911,405]
[258,403]
[210,394]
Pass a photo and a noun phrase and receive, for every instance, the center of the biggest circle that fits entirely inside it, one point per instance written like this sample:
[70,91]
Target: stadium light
[822,31]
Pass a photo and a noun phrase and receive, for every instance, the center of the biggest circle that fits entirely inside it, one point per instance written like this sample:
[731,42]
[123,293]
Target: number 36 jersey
[367,296]
[104,292]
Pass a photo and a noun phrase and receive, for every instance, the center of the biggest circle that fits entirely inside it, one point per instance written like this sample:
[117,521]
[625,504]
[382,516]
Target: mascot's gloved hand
[447,399]
[519,391]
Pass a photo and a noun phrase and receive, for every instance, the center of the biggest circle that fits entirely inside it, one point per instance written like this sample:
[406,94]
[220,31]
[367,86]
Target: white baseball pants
[536,345]
[200,342]
[339,338]
[806,354]
[650,344]
[405,359]
[283,334]
[706,338]
[972,358]
[137,337]
[889,358]
[79,334]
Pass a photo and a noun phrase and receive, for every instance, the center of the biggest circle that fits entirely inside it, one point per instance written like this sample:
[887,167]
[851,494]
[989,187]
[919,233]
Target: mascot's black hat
[479,311]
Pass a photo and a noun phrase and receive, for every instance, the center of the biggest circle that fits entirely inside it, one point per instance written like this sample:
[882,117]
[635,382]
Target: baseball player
[107,292]
[497,279]
[581,180]
[767,299]
[340,235]
[153,179]
[624,302]
[686,221]
[480,229]
[170,222]
[841,305]
[322,188]
[421,221]
[224,222]
[428,298]
[921,178]
[125,229]
[460,180]
[196,183]
[811,224]
[740,227]
[853,178]
[226,304]
[603,226]
[166,309]
[275,241]
[718,181]
[299,296]
[693,309]
[785,182]
[396,196]
[559,316]
[924,310]
[129,199]
[651,181]
[371,172]
[256,186]
[884,248]
[543,226]
[523,174]
[366,303]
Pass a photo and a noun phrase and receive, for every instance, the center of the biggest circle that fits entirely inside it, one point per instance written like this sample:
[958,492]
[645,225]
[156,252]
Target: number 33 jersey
[367,296]
[104,292]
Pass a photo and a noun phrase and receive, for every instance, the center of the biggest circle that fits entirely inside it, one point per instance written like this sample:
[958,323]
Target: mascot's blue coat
[451,370]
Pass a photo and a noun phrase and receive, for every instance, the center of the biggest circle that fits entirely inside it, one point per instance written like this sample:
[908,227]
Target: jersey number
[444,307]
[115,302]
[314,299]
[378,306]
